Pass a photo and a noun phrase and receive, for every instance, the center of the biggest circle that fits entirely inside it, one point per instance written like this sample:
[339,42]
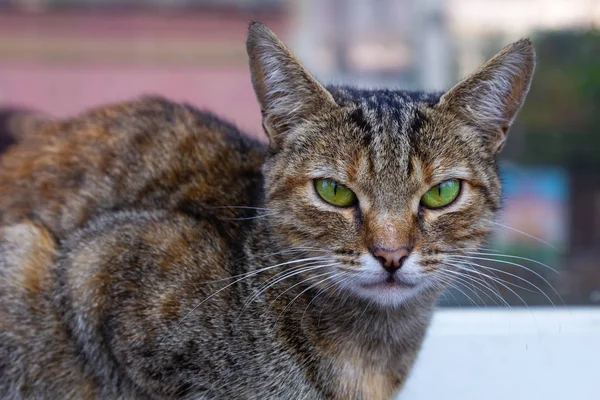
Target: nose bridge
[389,232]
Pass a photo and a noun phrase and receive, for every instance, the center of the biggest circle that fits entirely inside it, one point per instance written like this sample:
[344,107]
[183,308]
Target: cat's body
[161,231]
[144,246]
[162,218]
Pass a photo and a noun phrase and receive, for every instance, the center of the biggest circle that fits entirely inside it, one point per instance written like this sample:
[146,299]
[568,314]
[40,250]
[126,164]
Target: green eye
[335,193]
[441,195]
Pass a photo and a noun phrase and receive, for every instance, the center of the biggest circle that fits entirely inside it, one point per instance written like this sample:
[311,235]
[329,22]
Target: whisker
[451,284]
[340,286]
[267,286]
[453,296]
[291,270]
[467,282]
[301,282]
[525,234]
[272,302]
[304,291]
[299,250]
[367,306]
[516,276]
[515,257]
[491,270]
[225,287]
[495,277]
[242,207]
[257,271]
[335,282]
[486,248]
[481,281]
[482,284]
[499,281]
[248,218]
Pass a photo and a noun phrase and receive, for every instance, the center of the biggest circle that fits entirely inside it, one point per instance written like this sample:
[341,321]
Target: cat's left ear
[287,93]
[490,98]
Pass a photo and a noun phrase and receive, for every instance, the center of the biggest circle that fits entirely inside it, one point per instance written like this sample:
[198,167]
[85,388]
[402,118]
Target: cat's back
[145,154]
[142,166]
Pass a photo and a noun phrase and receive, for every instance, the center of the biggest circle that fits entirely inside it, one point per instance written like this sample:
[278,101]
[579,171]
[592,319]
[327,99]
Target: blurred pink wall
[62,91]
[62,62]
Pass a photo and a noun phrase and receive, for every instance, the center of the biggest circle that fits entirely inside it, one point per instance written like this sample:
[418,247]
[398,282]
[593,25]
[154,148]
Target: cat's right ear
[287,93]
[490,98]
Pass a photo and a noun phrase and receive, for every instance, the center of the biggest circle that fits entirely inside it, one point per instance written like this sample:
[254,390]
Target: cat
[14,122]
[151,250]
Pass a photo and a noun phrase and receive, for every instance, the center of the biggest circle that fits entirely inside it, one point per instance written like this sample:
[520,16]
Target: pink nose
[391,260]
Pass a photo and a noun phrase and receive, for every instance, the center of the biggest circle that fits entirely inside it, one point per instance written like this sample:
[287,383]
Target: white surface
[504,354]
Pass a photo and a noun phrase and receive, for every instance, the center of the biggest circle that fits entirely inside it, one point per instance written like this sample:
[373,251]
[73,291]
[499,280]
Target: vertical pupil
[439,190]
[335,187]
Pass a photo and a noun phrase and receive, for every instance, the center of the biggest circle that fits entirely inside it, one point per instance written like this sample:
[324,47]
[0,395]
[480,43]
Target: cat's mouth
[384,287]
[392,281]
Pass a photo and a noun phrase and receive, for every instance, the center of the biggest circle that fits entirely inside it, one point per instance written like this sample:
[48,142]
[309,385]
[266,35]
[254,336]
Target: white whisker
[468,284]
[482,282]
[248,218]
[451,284]
[497,280]
[335,282]
[225,287]
[304,291]
[525,234]
[242,207]
[515,257]
[256,271]
[495,277]
[269,285]
[340,286]
[516,276]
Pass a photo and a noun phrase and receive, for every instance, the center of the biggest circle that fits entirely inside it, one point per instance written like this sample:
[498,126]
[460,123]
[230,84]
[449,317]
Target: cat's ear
[287,93]
[490,98]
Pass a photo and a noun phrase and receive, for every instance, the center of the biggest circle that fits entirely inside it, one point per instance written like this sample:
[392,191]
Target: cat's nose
[391,260]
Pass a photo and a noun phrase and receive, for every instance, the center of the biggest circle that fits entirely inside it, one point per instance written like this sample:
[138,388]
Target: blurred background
[60,57]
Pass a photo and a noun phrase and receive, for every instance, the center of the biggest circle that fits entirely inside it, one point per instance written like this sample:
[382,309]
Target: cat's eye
[442,194]
[335,193]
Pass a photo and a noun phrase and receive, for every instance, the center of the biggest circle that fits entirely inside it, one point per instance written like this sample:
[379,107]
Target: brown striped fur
[141,243]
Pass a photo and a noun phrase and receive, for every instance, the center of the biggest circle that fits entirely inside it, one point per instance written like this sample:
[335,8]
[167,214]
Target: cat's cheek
[412,265]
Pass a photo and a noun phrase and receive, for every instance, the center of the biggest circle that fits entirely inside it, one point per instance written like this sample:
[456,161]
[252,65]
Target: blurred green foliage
[559,124]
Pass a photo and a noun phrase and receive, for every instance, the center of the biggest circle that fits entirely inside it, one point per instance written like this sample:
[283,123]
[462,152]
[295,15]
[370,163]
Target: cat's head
[387,187]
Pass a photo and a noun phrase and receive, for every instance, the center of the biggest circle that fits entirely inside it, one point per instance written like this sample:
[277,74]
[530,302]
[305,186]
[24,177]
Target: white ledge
[500,354]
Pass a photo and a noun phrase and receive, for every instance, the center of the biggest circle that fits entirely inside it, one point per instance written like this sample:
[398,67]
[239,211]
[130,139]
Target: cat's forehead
[388,119]
[381,99]
[392,127]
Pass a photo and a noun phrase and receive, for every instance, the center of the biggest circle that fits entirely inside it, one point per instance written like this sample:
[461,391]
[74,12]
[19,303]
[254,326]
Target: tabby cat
[149,250]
